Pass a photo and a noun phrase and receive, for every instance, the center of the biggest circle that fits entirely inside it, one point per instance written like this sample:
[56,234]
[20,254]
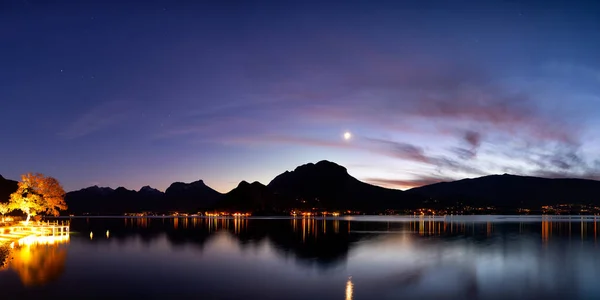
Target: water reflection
[317,258]
[349,288]
[38,261]
[319,241]
[326,243]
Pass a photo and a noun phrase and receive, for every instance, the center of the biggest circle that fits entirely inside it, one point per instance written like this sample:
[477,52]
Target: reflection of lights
[107,234]
[38,264]
[547,230]
[32,240]
[91,235]
[349,288]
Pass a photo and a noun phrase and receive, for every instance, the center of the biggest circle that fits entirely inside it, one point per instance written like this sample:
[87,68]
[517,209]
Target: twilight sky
[119,93]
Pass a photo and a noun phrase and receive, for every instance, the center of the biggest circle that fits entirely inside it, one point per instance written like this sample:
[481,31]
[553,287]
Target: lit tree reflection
[38,264]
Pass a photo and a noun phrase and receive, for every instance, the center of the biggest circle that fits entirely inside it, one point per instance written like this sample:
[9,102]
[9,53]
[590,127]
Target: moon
[347,135]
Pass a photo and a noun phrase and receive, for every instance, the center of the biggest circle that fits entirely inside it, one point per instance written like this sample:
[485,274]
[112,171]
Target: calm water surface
[282,258]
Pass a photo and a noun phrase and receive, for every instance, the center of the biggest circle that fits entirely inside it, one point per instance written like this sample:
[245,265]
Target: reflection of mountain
[38,264]
[309,240]
[462,269]
[314,240]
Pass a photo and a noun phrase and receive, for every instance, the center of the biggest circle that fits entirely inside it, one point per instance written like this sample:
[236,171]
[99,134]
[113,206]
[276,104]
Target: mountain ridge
[508,190]
[325,185]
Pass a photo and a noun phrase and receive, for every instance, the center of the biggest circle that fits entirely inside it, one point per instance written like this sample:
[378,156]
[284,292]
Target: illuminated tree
[37,194]
[4,209]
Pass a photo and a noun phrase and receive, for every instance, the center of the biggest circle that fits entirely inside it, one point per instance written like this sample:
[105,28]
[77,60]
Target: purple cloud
[98,118]
[407,183]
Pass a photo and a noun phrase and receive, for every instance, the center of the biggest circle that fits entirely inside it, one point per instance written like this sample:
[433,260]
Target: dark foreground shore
[4,252]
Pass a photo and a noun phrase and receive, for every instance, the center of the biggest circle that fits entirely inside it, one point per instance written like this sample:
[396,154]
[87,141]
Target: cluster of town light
[225,214]
[241,214]
[313,214]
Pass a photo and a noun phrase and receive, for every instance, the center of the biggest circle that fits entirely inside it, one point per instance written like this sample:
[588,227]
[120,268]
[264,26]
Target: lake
[460,257]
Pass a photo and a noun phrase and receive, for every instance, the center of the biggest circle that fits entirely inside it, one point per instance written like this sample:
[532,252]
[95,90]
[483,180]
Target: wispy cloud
[400,95]
[401,150]
[391,149]
[97,118]
[293,140]
[553,161]
[410,152]
[407,183]
[395,95]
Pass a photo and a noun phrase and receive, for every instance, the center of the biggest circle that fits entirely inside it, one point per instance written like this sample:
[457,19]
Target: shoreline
[4,254]
[380,218]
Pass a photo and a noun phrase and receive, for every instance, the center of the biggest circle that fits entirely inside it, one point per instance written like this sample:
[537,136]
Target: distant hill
[190,196]
[178,197]
[104,200]
[328,185]
[254,197]
[511,191]
[7,187]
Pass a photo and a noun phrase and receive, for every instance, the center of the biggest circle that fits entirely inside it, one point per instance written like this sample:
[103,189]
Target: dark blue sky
[124,93]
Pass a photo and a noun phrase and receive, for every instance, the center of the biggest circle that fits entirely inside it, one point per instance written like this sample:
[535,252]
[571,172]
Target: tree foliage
[4,208]
[37,194]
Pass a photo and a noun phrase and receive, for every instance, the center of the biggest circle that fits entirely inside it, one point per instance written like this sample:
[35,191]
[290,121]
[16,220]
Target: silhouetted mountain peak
[182,185]
[191,196]
[512,191]
[122,189]
[96,189]
[149,190]
[323,172]
[243,183]
[321,166]
[329,164]
[328,185]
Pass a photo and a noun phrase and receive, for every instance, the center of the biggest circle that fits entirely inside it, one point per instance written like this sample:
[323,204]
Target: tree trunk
[28,217]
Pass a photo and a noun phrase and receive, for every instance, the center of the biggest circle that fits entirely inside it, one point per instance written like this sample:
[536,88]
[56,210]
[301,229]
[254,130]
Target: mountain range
[328,186]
